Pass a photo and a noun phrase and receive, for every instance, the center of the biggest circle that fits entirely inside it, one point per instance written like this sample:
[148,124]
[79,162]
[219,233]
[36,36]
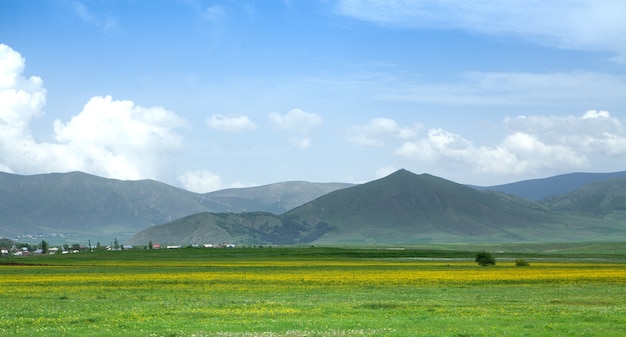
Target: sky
[206,95]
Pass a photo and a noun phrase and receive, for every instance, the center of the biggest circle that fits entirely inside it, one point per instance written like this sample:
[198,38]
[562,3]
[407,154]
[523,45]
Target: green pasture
[316,292]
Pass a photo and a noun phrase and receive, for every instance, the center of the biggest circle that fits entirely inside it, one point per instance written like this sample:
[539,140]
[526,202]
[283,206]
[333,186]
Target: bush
[485,259]
[521,263]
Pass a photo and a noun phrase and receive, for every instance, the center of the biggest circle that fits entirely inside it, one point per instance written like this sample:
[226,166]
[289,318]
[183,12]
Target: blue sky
[207,95]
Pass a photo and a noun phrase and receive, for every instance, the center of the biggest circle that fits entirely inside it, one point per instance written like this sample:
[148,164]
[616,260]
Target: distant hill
[252,228]
[276,198]
[599,199]
[537,189]
[405,207]
[400,208]
[100,208]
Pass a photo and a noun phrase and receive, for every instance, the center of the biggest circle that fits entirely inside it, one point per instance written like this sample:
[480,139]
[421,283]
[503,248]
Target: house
[156,246]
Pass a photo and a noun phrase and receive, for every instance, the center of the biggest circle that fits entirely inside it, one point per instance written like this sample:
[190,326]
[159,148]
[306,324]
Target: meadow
[311,292]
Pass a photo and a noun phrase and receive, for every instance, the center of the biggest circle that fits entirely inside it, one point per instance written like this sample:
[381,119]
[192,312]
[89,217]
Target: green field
[572,290]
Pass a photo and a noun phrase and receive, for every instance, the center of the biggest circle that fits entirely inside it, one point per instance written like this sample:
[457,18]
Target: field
[313,292]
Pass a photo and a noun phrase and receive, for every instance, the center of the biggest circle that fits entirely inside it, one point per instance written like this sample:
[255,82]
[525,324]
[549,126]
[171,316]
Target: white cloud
[519,153]
[573,24]
[115,139]
[230,123]
[296,120]
[533,144]
[200,181]
[596,114]
[377,131]
[595,132]
[299,122]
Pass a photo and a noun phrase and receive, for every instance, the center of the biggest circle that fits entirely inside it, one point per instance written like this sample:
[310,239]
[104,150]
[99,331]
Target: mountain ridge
[405,208]
[103,208]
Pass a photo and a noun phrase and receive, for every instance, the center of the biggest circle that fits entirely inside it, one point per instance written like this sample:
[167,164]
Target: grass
[309,292]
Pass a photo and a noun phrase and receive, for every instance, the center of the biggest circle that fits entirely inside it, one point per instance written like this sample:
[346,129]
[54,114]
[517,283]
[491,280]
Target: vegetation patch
[308,292]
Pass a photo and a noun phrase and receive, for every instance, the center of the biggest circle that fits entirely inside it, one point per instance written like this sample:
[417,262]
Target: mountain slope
[405,207]
[253,228]
[103,208]
[276,198]
[537,189]
[399,209]
[78,202]
[596,199]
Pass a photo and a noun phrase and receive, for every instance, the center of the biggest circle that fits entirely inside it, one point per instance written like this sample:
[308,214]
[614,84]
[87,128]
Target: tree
[485,259]
[44,247]
[150,245]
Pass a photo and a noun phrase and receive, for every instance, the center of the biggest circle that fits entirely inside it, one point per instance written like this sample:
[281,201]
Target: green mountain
[597,199]
[276,198]
[405,207]
[400,208]
[538,189]
[253,228]
[81,203]
[101,209]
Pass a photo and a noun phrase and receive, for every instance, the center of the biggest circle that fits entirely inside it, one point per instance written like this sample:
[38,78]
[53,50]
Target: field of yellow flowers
[201,293]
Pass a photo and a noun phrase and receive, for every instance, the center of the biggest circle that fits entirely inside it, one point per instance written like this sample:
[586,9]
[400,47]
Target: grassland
[314,292]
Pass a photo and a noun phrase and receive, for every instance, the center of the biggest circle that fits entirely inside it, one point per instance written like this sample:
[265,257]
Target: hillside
[538,189]
[600,198]
[96,208]
[276,198]
[253,228]
[405,207]
[400,208]
[78,202]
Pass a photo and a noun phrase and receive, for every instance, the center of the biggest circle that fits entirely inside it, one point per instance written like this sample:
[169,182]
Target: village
[23,250]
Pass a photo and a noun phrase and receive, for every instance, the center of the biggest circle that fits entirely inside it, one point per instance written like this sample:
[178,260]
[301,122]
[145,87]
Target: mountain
[100,208]
[81,203]
[405,207]
[252,228]
[400,208]
[538,189]
[600,199]
[276,198]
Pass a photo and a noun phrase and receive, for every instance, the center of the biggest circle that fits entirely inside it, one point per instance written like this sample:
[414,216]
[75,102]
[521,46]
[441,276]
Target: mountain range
[85,206]
[401,208]
[405,208]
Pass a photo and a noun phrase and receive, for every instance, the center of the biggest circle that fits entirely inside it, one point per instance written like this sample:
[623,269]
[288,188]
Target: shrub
[521,263]
[485,259]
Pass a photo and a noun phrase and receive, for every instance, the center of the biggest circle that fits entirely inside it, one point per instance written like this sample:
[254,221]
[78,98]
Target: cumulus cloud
[230,123]
[377,131]
[533,143]
[200,181]
[110,138]
[595,132]
[298,122]
[519,153]
[581,24]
